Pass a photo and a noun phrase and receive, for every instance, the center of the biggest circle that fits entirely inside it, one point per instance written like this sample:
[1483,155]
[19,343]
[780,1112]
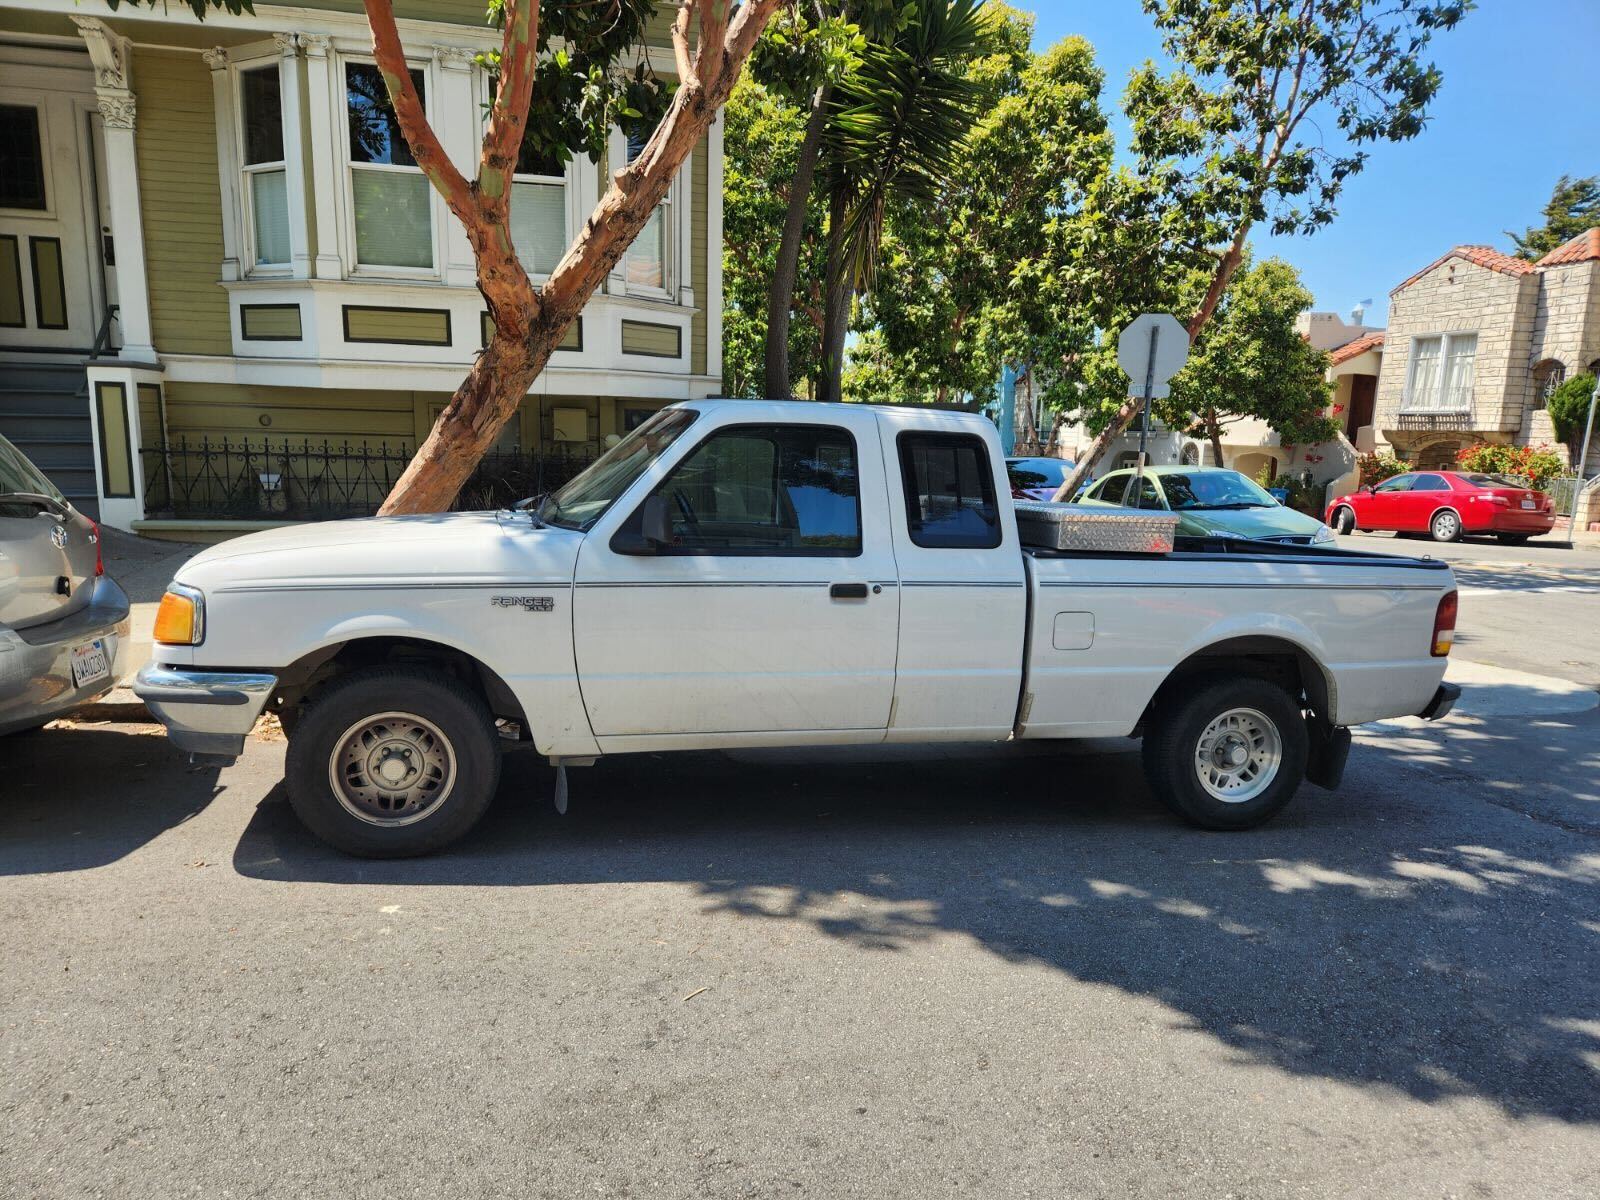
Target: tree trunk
[840,292]
[786,272]
[1214,433]
[1226,266]
[528,324]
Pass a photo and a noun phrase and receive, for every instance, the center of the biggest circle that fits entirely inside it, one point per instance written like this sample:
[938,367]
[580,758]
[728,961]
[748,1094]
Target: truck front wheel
[393,762]
[1227,755]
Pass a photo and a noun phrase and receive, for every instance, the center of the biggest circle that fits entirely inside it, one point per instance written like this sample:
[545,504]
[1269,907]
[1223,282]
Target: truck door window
[949,491]
[765,490]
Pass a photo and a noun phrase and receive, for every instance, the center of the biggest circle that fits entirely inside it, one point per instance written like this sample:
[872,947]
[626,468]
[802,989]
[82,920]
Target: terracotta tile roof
[1361,345]
[1583,248]
[1483,256]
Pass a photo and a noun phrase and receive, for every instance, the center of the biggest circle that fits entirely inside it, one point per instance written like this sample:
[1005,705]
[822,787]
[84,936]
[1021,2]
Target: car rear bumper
[1513,521]
[205,712]
[36,663]
[1443,701]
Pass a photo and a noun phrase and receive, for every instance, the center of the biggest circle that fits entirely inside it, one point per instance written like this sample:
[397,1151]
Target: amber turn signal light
[180,621]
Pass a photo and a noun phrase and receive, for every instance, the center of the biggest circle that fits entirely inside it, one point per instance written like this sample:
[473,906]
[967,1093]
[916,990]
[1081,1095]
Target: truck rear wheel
[393,762]
[1229,754]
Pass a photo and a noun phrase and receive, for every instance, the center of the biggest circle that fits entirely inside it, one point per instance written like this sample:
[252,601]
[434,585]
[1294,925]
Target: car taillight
[1444,623]
[99,556]
[1494,498]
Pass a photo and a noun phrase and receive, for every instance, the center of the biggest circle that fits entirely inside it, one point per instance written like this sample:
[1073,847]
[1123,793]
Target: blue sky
[1520,106]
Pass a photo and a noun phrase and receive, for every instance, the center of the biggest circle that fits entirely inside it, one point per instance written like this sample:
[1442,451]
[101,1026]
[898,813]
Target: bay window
[265,171]
[645,264]
[1442,372]
[539,211]
[391,200]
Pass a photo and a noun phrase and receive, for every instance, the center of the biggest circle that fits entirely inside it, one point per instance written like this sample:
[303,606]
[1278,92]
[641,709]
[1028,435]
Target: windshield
[1505,481]
[585,499]
[1214,489]
[17,474]
[1037,472]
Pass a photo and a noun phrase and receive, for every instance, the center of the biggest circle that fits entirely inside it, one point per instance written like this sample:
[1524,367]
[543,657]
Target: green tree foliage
[1267,111]
[997,267]
[763,135]
[1569,410]
[1574,206]
[894,130]
[1251,362]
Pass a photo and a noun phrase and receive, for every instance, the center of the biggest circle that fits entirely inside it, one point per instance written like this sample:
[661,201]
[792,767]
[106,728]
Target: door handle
[847,591]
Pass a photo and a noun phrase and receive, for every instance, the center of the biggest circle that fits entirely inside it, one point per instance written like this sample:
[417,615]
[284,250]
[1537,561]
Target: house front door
[49,283]
[1363,402]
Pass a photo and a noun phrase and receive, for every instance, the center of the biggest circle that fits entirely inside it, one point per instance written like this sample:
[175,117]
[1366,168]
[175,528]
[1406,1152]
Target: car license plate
[1527,504]
[89,663]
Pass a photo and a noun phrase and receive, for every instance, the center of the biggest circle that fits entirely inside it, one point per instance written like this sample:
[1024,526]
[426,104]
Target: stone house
[1477,340]
[212,231]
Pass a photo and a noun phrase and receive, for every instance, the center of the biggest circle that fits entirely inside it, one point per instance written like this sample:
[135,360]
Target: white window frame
[354,267]
[671,209]
[267,60]
[571,217]
[1412,403]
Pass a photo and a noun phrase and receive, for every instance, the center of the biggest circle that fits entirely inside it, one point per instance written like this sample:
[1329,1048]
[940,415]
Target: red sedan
[1447,504]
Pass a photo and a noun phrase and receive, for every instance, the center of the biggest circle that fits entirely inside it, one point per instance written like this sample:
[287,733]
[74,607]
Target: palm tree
[884,135]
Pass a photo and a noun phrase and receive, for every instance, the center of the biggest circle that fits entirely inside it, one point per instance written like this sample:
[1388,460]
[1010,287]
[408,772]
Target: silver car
[63,622]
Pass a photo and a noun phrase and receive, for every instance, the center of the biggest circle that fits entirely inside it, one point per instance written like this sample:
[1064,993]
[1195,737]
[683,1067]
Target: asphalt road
[875,974]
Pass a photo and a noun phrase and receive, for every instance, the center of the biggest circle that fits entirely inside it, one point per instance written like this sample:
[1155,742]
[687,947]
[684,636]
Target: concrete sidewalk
[144,567]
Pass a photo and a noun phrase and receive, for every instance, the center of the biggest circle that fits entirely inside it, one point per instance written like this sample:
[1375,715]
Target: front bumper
[205,712]
[1443,701]
[36,663]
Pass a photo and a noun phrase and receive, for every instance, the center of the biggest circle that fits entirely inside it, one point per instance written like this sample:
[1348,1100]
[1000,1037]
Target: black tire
[1445,526]
[1174,737]
[1344,521]
[462,734]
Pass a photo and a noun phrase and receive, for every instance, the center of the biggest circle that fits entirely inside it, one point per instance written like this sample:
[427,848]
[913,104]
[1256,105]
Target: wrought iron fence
[246,480]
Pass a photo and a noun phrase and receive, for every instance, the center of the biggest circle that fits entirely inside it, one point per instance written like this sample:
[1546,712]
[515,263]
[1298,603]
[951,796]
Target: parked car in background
[1036,478]
[1211,502]
[1447,504]
[63,622]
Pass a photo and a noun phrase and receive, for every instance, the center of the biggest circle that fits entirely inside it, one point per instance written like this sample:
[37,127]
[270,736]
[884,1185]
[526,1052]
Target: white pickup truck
[742,573]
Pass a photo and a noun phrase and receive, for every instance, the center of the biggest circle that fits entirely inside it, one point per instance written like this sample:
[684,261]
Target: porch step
[44,412]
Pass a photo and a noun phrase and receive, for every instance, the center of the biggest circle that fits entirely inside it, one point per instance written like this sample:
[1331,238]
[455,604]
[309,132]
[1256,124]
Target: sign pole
[1144,418]
[1583,460]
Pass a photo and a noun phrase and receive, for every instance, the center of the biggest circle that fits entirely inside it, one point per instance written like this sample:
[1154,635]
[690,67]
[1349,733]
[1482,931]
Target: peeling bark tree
[530,322]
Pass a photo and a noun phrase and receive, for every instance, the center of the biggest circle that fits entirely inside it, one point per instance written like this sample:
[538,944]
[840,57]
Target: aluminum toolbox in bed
[1082,527]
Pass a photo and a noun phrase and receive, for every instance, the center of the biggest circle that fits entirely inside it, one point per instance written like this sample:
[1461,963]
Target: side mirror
[655,530]
[656,525]
[1367,488]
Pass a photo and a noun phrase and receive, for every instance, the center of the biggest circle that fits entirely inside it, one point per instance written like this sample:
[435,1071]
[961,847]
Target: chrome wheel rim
[1238,755]
[1445,525]
[392,768]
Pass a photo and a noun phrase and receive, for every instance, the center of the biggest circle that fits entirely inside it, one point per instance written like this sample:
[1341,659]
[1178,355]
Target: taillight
[1444,623]
[99,558]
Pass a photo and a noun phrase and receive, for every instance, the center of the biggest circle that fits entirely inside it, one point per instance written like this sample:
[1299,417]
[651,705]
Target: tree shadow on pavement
[79,796]
[1411,939]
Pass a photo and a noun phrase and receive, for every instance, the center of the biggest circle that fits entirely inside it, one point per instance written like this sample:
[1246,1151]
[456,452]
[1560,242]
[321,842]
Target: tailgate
[46,566]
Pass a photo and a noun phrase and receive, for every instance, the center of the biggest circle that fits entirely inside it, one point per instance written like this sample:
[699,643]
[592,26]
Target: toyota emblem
[58,537]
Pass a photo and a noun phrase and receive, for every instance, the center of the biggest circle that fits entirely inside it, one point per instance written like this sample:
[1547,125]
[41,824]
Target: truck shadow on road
[1399,935]
[75,797]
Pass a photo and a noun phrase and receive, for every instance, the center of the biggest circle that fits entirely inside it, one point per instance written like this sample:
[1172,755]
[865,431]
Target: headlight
[1323,534]
[181,619]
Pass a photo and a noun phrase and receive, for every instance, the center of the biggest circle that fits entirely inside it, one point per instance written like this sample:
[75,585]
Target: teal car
[1211,502]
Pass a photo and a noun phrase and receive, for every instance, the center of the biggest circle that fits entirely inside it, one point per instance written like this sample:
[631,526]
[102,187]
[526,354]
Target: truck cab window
[766,489]
[949,488]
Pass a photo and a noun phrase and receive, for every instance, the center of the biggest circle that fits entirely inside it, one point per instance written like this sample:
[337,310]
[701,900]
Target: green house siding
[180,202]
[215,410]
[698,213]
